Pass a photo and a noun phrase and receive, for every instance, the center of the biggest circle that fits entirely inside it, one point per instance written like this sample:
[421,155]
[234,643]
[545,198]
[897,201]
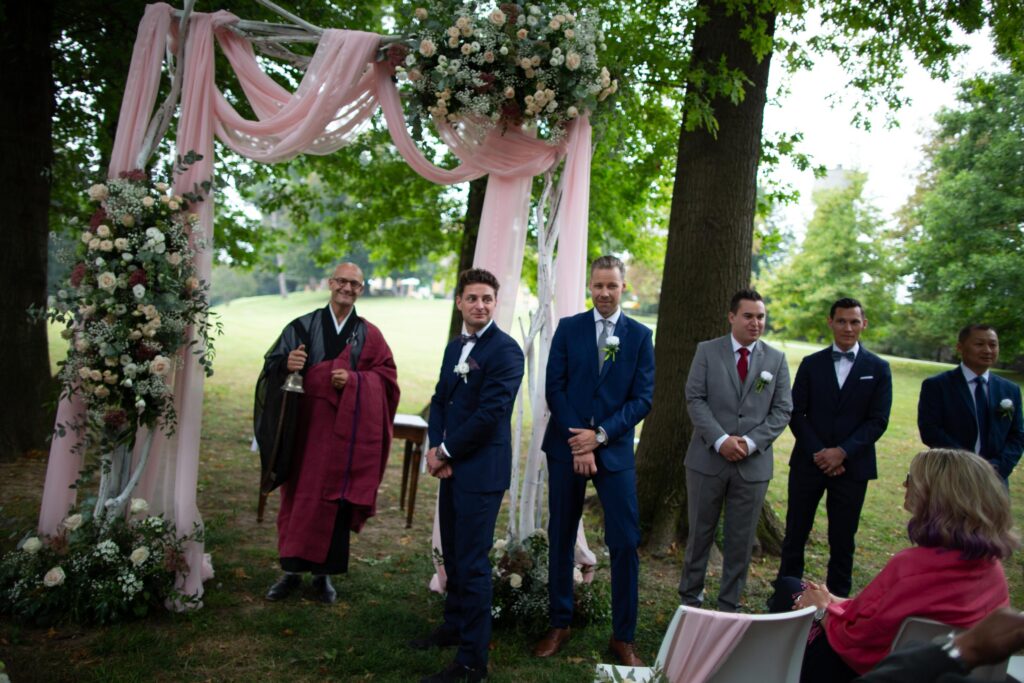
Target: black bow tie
[848,355]
[467,338]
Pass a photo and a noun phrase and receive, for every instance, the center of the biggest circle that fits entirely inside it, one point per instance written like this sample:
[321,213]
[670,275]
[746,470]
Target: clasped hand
[583,443]
[734,449]
[830,461]
[437,467]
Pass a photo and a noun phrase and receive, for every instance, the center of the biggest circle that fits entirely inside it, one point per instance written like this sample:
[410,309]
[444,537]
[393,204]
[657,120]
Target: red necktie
[741,365]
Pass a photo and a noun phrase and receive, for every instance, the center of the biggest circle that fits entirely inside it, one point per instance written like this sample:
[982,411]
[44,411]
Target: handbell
[293,383]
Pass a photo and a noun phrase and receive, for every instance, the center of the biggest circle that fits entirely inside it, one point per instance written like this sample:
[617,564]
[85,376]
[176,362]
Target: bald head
[346,285]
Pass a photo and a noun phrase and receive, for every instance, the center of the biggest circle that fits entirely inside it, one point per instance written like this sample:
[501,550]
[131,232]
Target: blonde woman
[960,526]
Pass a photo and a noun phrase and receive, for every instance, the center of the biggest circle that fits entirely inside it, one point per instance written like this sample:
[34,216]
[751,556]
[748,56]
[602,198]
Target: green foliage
[842,255]
[962,230]
[94,572]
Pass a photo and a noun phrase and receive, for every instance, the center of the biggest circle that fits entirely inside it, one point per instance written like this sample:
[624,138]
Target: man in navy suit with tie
[470,421]
[968,407]
[842,396]
[599,384]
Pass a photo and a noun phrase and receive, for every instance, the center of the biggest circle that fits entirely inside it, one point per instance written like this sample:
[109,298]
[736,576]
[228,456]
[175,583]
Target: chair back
[921,631]
[771,651]
[670,633]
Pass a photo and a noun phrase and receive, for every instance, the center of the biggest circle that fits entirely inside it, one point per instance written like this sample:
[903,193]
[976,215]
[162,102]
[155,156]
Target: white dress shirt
[736,346]
[844,365]
[599,321]
[969,375]
[466,349]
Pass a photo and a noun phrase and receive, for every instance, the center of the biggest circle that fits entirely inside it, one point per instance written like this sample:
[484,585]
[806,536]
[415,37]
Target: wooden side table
[413,429]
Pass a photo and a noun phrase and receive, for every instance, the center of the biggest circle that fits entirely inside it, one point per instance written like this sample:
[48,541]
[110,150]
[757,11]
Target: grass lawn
[238,636]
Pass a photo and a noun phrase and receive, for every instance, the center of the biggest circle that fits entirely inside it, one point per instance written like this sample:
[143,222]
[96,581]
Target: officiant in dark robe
[339,442]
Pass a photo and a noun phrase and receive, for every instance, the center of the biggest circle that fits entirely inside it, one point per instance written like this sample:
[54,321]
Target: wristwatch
[949,647]
[601,436]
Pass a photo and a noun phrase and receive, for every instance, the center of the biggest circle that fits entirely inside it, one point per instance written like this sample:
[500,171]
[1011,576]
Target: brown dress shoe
[623,651]
[552,642]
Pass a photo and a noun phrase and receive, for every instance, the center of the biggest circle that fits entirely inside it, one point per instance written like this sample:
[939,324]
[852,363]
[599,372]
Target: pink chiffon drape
[342,88]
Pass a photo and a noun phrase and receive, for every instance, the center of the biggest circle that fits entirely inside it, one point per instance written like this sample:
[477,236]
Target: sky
[892,158]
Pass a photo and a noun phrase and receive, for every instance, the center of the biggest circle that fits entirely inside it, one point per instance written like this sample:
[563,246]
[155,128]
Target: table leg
[406,464]
[413,483]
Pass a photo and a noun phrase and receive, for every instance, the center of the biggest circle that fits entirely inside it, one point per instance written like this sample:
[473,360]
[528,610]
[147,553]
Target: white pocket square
[868,377]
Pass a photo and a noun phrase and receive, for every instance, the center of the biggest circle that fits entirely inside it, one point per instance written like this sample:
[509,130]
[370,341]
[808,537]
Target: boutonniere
[611,347]
[1006,408]
[763,380]
[462,370]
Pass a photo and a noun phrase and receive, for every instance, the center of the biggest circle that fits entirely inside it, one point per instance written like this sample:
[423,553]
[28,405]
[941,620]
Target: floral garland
[518,63]
[127,304]
[93,571]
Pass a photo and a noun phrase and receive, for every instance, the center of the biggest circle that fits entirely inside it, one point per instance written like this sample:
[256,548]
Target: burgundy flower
[115,419]
[488,79]
[396,54]
[78,274]
[144,351]
[135,175]
[138,277]
[100,216]
[511,114]
[511,10]
[59,544]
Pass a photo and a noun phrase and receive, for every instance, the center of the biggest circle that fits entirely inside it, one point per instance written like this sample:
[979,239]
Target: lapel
[729,357]
[473,358]
[753,368]
[620,332]
[858,363]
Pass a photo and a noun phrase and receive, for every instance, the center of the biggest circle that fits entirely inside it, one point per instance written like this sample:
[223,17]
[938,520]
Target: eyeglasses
[906,482]
[340,282]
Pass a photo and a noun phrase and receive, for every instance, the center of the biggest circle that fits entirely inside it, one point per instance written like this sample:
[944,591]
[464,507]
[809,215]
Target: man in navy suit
[470,420]
[968,407]
[842,396]
[599,383]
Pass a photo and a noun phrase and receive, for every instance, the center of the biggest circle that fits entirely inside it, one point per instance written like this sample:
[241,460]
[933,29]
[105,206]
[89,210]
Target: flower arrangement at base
[127,305]
[520,580]
[95,571]
[507,64]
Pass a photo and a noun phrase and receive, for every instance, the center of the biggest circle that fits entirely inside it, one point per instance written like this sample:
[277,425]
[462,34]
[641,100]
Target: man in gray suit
[738,398]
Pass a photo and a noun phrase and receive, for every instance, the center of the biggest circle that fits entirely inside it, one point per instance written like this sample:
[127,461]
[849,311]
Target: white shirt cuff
[719,441]
[751,446]
[445,455]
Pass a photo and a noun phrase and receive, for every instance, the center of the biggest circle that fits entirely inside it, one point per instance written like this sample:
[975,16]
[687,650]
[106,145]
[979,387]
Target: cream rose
[174,258]
[103,231]
[497,17]
[573,61]
[148,202]
[139,505]
[121,243]
[54,577]
[106,281]
[127,220]
[427,48]
[139,556]
[98,193]
[106,245]
[72,522]
[32,545]
[101,391]
[421,13]
[173,205]
[87,237]
[160,366]
[515,580]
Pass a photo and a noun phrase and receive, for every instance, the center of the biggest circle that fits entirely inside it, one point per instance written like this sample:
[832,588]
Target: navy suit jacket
[852,418]
[615,398]
[472,416]
[946,418]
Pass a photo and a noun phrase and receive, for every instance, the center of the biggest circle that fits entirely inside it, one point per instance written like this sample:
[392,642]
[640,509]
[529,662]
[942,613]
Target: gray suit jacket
[719,405]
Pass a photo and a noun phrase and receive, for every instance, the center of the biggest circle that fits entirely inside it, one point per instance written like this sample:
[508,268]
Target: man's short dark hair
[845,302]
[750,294]
[608,262]
[476,276]
[966,331]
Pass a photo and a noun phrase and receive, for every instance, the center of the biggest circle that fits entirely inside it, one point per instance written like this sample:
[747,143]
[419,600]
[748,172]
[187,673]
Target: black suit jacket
[945,418]
[924,664]
[852,418]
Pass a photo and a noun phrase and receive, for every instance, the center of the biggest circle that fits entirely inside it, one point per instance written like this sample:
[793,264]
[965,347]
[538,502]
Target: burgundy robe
[345,438]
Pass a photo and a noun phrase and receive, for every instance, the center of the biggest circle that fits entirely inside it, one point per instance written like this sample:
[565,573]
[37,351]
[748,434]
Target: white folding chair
[771,650]
[921,631]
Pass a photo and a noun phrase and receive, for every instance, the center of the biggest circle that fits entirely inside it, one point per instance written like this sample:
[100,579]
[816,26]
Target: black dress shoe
[323,591]
[284,587]
[439,637]
[457,672]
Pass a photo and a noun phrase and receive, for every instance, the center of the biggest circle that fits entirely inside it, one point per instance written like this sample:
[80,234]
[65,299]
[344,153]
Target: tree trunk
[708,258]
[25,165]
[474,209]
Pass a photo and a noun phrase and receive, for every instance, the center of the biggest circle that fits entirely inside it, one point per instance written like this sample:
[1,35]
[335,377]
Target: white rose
[515,580]
[572,112]
[503,51]
[72,522]
[106,245]
[139,555]
[173,205]
[103,231]
[611,341]
[767,376]
[500,544]
[32,545]
[121,243]
[106,281]
[87,237]
[54,577]
[139,505]
[160,366]
[138,291]
[1006,404]
[98,193]
[94,243]
[127,257]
